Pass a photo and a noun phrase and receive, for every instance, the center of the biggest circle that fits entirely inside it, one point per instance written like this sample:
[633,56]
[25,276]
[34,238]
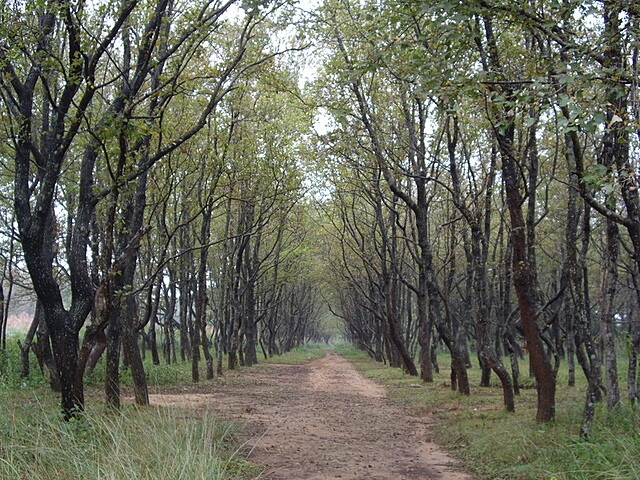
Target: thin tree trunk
[634,350]
[25,348]
[607,315]
[131,350]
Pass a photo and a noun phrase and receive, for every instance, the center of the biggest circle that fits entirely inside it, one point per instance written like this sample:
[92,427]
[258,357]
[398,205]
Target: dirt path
[322,421]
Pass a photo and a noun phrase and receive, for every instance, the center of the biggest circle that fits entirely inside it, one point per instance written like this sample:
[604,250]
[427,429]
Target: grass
[162,443]
[11,369]
[149,443]
[498,445]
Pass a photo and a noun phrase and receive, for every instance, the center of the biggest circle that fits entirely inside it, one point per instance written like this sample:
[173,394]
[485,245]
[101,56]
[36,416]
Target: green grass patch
[498,445]
[141,443]
[11,368]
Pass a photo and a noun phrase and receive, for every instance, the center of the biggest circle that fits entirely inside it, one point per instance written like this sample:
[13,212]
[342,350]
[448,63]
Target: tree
[502,115]
[39,76]
[371,84]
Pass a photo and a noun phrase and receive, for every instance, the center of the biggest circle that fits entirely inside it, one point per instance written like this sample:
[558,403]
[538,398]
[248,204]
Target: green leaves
[599,177]
[595,122]
[563,100]
[595,174]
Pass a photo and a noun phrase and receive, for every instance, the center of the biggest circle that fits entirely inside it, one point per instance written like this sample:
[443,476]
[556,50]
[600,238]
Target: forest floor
[321,420]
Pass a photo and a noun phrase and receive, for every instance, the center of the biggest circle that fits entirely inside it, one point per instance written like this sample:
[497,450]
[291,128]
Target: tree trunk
[424,316]
[42,349]
[131,350]
[524,278]
[112,374]
[607,316]
[634,347]
[3,324]
[25,348]
[65,351]
[153,300]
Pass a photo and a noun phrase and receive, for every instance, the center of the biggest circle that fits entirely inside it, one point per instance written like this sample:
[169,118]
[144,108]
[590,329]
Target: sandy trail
[321,421]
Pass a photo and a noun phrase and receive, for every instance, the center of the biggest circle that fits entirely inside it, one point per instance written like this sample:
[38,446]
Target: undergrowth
[141,443]
[499,445]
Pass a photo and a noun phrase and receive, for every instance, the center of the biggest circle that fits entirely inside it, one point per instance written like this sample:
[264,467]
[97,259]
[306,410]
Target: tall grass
[498,445]
[149,443]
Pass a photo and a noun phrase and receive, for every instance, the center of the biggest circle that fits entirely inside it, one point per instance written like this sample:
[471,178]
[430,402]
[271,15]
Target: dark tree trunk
[153,301]
[571,263]
[251,264]
[112,373]
[3,322]
[65,352]
[607,315]
[634,347]
[202,298]
[98,347]
[524,283]
[251,325]
[42,349]
[169,344]
[131,350]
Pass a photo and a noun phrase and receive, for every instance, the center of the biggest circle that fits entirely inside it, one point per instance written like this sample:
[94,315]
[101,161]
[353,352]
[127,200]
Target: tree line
[483,158]
[151,182]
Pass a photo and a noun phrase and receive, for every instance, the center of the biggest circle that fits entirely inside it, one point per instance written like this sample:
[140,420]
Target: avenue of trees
[201,181]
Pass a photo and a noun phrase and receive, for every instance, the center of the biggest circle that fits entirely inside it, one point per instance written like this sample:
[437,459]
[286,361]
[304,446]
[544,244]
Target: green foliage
[149,443]
[498,445]
[11,368]
[596,175]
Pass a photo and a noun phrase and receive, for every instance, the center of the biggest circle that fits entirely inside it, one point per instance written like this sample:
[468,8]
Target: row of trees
[477,164]
[150,154]
[483,160]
